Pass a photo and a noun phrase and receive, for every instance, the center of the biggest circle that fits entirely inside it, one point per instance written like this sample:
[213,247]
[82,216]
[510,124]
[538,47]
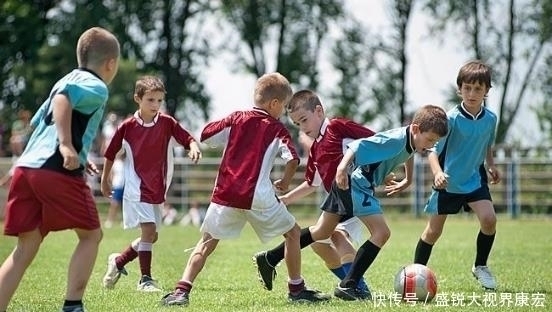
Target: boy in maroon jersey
[330,137]
[244,192]
[146,138]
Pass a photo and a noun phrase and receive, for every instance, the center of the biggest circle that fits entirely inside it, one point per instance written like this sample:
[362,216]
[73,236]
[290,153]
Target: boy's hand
[494,174]
[106,188]
[341,178]
[70,157]
[284,199]
[281,185]
[194,154]
[393,187]
[440,181]
[91,168]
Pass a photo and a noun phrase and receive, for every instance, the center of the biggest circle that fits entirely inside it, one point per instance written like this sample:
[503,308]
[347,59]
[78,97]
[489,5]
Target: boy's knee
[294,233]
[319,233]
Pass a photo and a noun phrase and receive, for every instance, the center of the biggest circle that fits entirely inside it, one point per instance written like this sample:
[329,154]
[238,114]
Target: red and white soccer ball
[416,282]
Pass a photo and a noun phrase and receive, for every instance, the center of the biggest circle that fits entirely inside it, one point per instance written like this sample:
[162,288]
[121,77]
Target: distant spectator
[20,131]
[108,129]
[195,215]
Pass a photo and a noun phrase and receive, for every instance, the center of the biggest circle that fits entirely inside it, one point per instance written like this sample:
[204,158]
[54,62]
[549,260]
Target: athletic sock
[339,272]
[423,252]
[275,255]
[484,245]
[144,257]
[366,254]
[184,286]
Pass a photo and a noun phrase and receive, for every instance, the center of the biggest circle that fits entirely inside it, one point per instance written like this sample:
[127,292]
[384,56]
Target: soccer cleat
[362,286]
[484,277]
[265,271]
[77,308]
[147,284]
[352,293]
[112,274]
[308,296]
[177,297]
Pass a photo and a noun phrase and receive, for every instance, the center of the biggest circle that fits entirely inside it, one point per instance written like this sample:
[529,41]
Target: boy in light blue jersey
[373,159]
[460,165]
[55,159]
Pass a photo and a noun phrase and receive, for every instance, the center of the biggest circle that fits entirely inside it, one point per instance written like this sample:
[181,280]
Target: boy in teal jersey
[373,159]
[460,165]
[55,159]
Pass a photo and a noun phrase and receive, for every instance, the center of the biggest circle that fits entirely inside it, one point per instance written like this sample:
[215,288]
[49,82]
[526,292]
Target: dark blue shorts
[442,202]
[339,202]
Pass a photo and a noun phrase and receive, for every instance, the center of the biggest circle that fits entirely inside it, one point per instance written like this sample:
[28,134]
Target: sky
[432,71]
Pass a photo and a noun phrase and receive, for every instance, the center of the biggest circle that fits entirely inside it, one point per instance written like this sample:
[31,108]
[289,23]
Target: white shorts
[223,222]
[135,213]
[352,228]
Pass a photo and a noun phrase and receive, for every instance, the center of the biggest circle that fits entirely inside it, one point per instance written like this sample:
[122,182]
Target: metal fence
[526,186]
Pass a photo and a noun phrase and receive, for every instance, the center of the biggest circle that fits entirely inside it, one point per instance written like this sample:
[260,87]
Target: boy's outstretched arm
[282,184]
[341,176]
[300,191]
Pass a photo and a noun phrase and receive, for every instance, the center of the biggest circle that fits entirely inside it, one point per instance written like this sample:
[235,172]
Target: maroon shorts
[50,201]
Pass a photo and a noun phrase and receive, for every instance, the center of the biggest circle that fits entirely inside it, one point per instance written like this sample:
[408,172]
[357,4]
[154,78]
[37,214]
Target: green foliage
[515,45]
[297,30]
[228,281]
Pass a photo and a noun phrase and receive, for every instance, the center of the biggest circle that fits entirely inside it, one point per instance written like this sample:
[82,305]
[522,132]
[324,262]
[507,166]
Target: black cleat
[265,271]
[308,296]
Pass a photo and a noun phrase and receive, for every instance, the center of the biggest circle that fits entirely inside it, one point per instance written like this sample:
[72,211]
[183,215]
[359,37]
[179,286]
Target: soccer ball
[416,282]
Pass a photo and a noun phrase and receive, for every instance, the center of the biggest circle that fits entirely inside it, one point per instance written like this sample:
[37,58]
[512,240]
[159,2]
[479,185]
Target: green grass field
[521,260]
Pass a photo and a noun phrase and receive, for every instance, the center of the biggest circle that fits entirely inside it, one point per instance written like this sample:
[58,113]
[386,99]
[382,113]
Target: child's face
[150,103]
[308,121]
[473,94]
[423,141]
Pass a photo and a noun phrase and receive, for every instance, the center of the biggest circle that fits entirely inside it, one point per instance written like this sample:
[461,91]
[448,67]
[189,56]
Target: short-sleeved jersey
[148,163]
[253,141]
[327,150]
[462,152]
[378,155]
[87,94]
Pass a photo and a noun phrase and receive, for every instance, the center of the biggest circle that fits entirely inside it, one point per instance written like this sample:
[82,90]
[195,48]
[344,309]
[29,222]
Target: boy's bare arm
[62,113]
[439,177]
[341,176]
[300,191]
[491,167]
[105,183]
[289,171]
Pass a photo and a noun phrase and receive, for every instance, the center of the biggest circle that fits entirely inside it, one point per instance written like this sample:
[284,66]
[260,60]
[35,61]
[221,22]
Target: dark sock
[339,272]
[275,255]
[183,286]
[484,245]
[144,257]
[296,289]
[423,252]
[363,259]
[72,303]
[128,255]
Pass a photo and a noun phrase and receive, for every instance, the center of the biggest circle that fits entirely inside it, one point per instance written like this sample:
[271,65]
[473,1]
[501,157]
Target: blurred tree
[287,35]
[23,32]
[373,71]
[159,37]
[508,35]
[544,109]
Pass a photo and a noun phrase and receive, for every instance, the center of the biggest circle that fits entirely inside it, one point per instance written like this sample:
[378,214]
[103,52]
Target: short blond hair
[95,46]
[272,86]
